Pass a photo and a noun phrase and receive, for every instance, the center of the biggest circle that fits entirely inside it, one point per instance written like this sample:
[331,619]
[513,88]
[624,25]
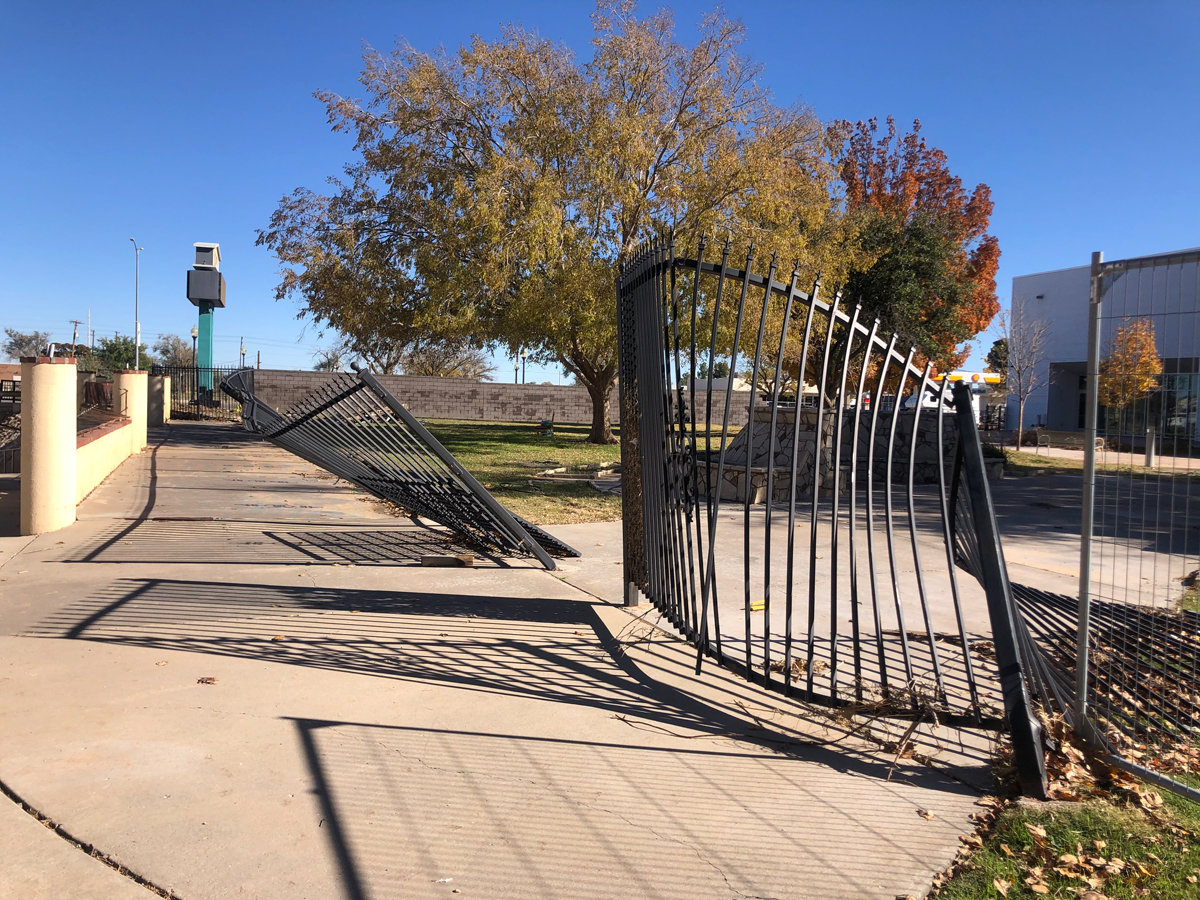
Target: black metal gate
[357,430]
[893,496]
[196,392]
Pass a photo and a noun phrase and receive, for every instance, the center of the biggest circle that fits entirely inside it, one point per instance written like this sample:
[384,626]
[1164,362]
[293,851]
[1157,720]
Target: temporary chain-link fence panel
[1140,566]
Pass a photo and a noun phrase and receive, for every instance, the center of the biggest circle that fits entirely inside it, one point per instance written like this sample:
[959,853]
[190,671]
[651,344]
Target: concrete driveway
[232,678]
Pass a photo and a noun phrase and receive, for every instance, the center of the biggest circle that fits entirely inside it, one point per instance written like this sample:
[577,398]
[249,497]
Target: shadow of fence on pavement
[218,542]
[418,812]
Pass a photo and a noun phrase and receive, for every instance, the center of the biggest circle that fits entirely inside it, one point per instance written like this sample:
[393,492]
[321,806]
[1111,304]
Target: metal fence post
[1024,727]
[1089,493]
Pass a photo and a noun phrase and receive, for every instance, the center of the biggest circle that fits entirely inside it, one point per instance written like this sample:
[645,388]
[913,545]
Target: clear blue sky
[176,123]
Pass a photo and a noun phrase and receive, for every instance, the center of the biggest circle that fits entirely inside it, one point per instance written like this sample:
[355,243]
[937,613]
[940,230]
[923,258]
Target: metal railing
[845,528]
[196,393]
[10,395]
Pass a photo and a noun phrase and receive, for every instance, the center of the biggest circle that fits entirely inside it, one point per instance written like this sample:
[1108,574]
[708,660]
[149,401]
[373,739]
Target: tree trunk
[601,432]
[1020,422]
[598,376]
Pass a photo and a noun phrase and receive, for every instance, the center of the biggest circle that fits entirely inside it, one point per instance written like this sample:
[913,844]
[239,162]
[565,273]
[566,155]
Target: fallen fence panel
[355,429]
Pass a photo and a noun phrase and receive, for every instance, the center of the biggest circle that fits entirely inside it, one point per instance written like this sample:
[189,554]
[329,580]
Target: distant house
[1162,288]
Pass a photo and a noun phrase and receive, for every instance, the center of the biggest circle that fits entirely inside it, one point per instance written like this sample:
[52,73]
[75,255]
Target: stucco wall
[98,451]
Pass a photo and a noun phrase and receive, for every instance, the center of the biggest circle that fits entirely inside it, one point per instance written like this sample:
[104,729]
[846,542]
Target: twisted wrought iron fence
[355,429]
[866,608]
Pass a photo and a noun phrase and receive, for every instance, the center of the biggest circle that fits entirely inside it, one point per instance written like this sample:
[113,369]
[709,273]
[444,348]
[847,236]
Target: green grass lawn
[1190,601]
[504,457]
[1103,848]
[1022,463]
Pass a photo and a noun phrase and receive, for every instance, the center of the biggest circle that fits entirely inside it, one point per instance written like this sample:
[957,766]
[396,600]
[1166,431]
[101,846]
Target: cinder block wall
[448,398]
[463,398]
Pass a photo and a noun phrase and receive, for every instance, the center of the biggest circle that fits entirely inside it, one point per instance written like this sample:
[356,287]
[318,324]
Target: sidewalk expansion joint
[84,846]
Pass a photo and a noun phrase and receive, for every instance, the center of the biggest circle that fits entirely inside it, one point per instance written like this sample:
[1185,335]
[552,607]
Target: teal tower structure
[206,290]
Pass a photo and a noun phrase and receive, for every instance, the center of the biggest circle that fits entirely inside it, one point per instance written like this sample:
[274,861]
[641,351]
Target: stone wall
[925,470]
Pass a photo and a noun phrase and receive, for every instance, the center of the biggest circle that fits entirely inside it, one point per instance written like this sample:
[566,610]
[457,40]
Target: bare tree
[1025,339]
[332,359]
[172,350]
[447,359]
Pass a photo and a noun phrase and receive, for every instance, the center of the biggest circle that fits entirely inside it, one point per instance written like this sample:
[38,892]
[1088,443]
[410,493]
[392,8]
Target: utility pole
[137,325]
[74,334]
[259,364]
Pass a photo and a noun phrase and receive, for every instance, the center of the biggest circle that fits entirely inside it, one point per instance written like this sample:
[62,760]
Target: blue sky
[176,123]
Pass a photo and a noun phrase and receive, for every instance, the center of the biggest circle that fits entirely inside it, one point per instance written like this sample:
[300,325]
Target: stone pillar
[158,400]
[48,417]
[129,400]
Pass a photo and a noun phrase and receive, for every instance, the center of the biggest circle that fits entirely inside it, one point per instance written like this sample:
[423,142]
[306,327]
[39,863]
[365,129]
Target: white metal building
[1162,287]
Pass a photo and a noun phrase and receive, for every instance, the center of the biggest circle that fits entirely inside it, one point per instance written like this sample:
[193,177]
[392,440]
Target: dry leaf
[1069,859]
[924,814]
[1002,886]
[1151,799]
[161,662]
[1039,888]
[1007,852]
[207,679]
[278,637]
[1036,830]
[971,840]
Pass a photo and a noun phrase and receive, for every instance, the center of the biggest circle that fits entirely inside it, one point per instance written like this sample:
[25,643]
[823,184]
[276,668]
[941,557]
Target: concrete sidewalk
[232,677]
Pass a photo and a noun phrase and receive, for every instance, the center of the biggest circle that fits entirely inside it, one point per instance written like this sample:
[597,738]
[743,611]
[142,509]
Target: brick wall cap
[83,438]
[41,360]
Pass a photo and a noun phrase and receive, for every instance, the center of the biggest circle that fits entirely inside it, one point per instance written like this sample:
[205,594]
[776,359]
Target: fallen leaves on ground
[207,679]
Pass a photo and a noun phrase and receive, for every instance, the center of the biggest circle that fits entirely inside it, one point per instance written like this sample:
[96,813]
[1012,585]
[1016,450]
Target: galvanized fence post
[1089,493]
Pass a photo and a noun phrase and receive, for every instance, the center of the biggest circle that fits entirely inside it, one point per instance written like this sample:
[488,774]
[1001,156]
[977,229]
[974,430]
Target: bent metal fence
[1135,623]
[355,429]
[816,552]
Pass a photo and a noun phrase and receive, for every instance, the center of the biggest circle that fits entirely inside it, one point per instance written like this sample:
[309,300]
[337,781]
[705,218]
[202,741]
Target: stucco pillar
[158,400]
[129,400]
[48,416]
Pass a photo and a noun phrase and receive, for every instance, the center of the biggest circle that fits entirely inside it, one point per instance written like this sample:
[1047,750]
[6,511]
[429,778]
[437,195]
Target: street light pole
[137,325]
[524,356]
[195,371]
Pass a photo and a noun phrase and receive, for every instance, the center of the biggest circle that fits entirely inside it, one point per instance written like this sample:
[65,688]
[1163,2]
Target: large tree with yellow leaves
[1130,370]
[497,188]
